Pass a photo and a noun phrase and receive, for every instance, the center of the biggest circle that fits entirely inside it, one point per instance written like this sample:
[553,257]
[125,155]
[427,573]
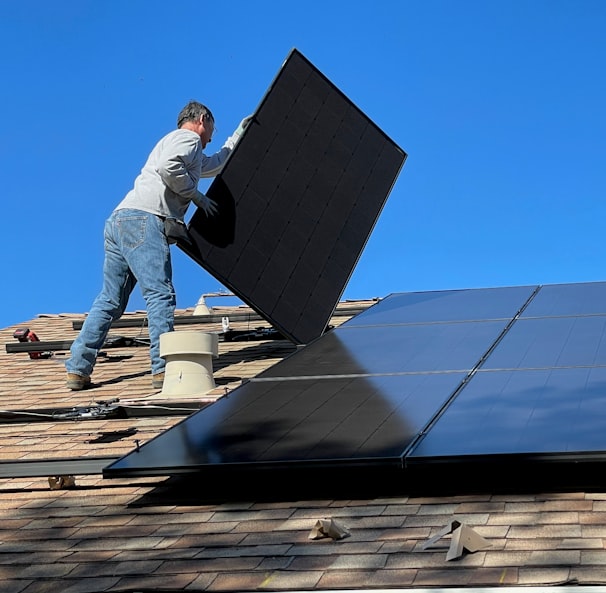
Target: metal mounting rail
[54,345]
[195,319]
[38,346]
[39,468]
[179,320]
[101,411]
[227,336]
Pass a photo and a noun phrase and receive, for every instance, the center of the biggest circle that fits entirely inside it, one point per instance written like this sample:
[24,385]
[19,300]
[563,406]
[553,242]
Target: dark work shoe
[158,381]
[77,382]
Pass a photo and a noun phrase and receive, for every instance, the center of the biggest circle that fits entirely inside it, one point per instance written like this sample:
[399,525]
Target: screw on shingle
[107,402]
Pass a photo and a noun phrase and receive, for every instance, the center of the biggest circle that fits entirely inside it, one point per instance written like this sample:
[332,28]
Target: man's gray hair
[192,112]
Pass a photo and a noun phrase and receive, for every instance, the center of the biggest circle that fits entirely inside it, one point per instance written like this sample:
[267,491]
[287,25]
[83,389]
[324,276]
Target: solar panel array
[452,375]
[499,377]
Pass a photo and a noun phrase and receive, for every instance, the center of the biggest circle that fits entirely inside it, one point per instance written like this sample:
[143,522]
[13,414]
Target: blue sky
[500,106]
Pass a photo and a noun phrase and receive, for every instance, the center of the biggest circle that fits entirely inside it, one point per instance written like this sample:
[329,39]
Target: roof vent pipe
[189,366]
[201,307]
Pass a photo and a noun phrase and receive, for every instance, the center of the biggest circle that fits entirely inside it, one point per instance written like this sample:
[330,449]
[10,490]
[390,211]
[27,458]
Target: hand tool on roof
[26,335]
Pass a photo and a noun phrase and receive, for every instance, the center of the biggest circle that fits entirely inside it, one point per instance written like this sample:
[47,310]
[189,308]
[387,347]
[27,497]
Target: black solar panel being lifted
[419,380]
[297,201]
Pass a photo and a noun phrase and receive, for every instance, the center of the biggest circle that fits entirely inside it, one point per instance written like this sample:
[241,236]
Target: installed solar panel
[297,201]
[525,412]
[584,298]
[446,305]
[283,423]
[551,343]
[370,350]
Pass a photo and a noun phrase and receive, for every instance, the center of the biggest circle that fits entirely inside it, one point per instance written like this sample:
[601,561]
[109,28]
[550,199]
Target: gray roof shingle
[166,533]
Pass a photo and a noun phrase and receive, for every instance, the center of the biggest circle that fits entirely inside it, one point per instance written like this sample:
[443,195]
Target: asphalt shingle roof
[167,533]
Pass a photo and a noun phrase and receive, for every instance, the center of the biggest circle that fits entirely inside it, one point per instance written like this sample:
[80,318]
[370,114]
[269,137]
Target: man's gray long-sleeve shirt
[169,179]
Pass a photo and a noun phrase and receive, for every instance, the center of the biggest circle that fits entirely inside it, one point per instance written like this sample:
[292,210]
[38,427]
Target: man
[136,247]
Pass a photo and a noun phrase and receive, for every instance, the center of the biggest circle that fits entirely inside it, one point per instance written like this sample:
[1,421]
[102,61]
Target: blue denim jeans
[136,251]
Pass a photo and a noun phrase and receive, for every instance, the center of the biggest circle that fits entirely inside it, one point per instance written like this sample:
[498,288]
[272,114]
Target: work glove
[203,201]
[243,125]
[235,137]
